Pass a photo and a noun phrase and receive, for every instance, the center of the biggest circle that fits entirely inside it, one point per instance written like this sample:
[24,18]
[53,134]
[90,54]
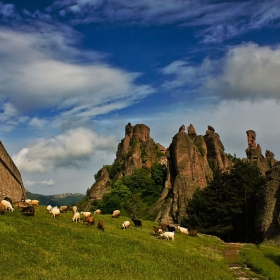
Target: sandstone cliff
[136,150]
[191,158]
[268,206]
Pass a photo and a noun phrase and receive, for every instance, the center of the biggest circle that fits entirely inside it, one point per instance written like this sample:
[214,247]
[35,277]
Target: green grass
[264,259]
[42,247]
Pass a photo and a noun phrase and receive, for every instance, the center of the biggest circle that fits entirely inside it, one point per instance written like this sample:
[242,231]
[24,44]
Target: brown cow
[21,204]
[34,202]
[89,220]
[157,230]
[100,225]
[164,227]
[193,232]
[2,209]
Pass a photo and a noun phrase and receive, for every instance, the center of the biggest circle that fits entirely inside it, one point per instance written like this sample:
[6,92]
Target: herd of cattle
[27,208]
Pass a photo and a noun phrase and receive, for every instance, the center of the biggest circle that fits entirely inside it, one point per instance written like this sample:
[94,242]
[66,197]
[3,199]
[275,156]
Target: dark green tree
[109,203]
[227,206]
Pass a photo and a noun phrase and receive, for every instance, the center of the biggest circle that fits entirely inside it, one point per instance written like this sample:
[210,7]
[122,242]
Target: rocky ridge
[190,160]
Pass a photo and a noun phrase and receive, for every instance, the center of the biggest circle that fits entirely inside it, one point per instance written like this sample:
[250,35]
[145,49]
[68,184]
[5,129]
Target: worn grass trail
[240,270]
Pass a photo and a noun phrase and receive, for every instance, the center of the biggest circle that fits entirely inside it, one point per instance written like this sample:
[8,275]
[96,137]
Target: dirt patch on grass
[240,271]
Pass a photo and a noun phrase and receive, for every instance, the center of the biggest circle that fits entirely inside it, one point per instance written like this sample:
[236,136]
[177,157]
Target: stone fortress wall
[10,178]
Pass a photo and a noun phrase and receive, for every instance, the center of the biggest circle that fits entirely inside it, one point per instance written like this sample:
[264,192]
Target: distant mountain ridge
[57,199]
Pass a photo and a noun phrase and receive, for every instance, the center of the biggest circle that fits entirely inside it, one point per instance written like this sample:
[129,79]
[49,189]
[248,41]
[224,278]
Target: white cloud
[47,182]
[33,183]
[247,71]
[72,150]
[58,82]
[219,20]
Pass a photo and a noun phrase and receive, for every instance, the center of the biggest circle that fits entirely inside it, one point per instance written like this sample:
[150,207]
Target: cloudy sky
[73,73]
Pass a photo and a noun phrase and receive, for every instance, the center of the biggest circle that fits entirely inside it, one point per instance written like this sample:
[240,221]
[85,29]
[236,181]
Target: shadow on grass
[275,259]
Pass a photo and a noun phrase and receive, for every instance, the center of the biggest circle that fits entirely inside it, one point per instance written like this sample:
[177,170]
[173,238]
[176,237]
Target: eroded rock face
[136,150]
[215,150]
[99,188]
[254,153]
[268,208]
[188,170]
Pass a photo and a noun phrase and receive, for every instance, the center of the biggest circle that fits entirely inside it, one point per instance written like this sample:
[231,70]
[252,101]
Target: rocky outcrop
[136,150]
[255,156]
[268,204]
[99,188]
[191,158]
[216,156]
[268,207]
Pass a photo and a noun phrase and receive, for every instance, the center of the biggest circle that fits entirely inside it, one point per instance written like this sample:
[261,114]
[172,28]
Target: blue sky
[74,73]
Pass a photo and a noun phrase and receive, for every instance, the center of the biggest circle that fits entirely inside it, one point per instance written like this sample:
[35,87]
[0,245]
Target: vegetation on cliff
[227,206]
[193,182]
[133,194]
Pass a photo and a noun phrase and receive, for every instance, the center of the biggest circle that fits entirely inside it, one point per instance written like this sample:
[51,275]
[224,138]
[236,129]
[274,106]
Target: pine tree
[227,206]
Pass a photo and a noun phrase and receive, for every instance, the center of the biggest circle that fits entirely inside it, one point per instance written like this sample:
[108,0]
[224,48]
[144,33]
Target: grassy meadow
[42,247]
[264,259]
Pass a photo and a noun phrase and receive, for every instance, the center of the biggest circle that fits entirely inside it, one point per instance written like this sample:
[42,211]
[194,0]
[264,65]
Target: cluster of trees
[133,194]
[227,206]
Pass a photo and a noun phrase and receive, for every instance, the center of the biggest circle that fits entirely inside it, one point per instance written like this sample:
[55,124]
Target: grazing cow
[193,232]
[63,209]
[34,202]
[183,230]
[27,200]
[100,225]
[89,220]
[116,214]
[126,225]
[164,227]
[7,205]
[55,212]
[76,217]
[21,204]
[86,214]
[97,212]
[168,235]
[171,228]
[8,199]
[2,209]
[74,209]
[157,230]
[28,211]
[137,222]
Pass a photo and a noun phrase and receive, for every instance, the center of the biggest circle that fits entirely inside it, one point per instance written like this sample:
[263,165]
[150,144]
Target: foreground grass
[41,247]
[264,259]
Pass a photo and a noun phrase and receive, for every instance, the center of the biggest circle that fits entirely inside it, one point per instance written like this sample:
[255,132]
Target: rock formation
[215,150]
[191,158]
[254,153]
[99,188]
[268,205]
[136,150]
